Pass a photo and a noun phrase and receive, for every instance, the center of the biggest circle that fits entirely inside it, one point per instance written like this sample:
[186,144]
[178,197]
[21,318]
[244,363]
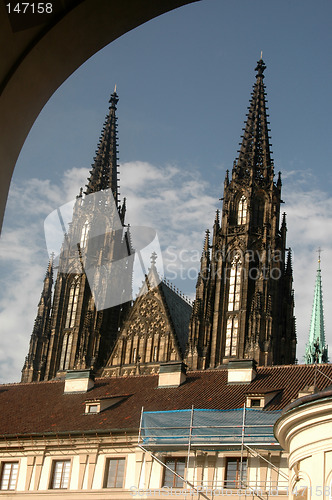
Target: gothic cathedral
[244,305]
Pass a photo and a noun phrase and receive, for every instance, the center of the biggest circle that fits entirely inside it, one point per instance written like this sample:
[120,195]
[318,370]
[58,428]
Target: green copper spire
[316,349]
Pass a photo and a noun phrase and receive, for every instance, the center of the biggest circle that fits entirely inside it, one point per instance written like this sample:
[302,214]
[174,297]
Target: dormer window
[262,399]
[242,211]
[93,406]
[255,402]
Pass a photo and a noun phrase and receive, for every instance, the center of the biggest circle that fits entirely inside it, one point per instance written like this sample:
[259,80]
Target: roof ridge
[176,290]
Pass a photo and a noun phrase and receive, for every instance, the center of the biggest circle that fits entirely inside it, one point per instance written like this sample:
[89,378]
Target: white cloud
[309,218]
[23,261]
[180,205]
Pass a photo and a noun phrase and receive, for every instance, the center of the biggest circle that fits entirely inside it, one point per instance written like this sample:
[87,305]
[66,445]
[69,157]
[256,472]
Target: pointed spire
[226,181]
[205,259]
[255,155]
[206,249]
[316,349]
[35,360]
[104,173]
[46,294]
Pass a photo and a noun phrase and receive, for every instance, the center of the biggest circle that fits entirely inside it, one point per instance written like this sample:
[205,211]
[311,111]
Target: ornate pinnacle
[114,99]
[153,258]
[260,68]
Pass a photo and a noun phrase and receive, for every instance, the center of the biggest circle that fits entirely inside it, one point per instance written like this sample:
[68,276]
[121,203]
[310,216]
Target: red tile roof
[42,407]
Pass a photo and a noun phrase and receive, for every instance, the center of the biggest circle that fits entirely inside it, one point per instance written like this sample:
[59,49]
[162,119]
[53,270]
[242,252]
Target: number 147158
[30,8]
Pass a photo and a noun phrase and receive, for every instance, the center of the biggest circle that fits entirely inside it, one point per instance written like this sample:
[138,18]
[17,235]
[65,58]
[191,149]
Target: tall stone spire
[316,350]
[244,307]
[104,172]
[34,365]
[255,155]
[91,293]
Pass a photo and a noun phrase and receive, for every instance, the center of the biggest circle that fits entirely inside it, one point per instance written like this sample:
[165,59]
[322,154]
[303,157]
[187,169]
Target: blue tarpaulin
[209,427]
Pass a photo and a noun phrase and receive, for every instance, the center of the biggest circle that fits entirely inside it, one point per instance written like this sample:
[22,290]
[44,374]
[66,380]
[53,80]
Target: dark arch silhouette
[37,58]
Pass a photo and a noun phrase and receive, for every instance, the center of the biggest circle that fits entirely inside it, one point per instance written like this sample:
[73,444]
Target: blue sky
[184,82]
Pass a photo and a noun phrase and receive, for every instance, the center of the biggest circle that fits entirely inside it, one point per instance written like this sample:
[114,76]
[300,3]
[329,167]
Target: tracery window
[84,234]
[72,303]
[242,211]
[66,351]
[235,284]
[232,327]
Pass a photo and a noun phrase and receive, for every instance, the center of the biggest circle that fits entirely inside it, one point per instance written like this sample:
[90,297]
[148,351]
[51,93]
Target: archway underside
[36,60]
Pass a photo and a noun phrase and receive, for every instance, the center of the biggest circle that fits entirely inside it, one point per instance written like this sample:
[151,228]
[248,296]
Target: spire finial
[153,258]
[319,251]
[114,98]
[261,58]
[260,68]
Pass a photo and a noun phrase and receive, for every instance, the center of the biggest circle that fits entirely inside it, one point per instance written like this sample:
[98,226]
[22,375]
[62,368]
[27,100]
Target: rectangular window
[115,468]
[177,465]
[235,477]
[93,408]
[60,475]
[8,475]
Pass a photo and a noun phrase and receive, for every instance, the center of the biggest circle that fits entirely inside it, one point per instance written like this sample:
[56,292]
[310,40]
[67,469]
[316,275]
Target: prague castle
[156,396]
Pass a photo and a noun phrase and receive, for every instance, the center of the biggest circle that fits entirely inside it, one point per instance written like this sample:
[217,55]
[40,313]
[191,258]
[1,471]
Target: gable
[149,335]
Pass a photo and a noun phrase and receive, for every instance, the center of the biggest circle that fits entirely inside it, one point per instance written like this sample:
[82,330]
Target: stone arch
[42,57]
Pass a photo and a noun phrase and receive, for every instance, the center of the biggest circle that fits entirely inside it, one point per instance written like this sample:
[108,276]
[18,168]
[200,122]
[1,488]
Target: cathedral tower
[244,300]
[76,334]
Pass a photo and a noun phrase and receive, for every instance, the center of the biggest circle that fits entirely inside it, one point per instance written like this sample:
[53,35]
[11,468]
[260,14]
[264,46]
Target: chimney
[241,371]
[172,374]
[78,381]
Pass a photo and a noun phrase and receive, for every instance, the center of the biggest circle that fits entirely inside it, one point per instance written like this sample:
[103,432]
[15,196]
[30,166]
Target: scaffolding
[194,430]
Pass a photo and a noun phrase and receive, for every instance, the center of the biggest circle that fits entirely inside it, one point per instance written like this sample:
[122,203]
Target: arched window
[235,284]
[66,351]
[84,234]
[231,336]
[72,303]
[242,211]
